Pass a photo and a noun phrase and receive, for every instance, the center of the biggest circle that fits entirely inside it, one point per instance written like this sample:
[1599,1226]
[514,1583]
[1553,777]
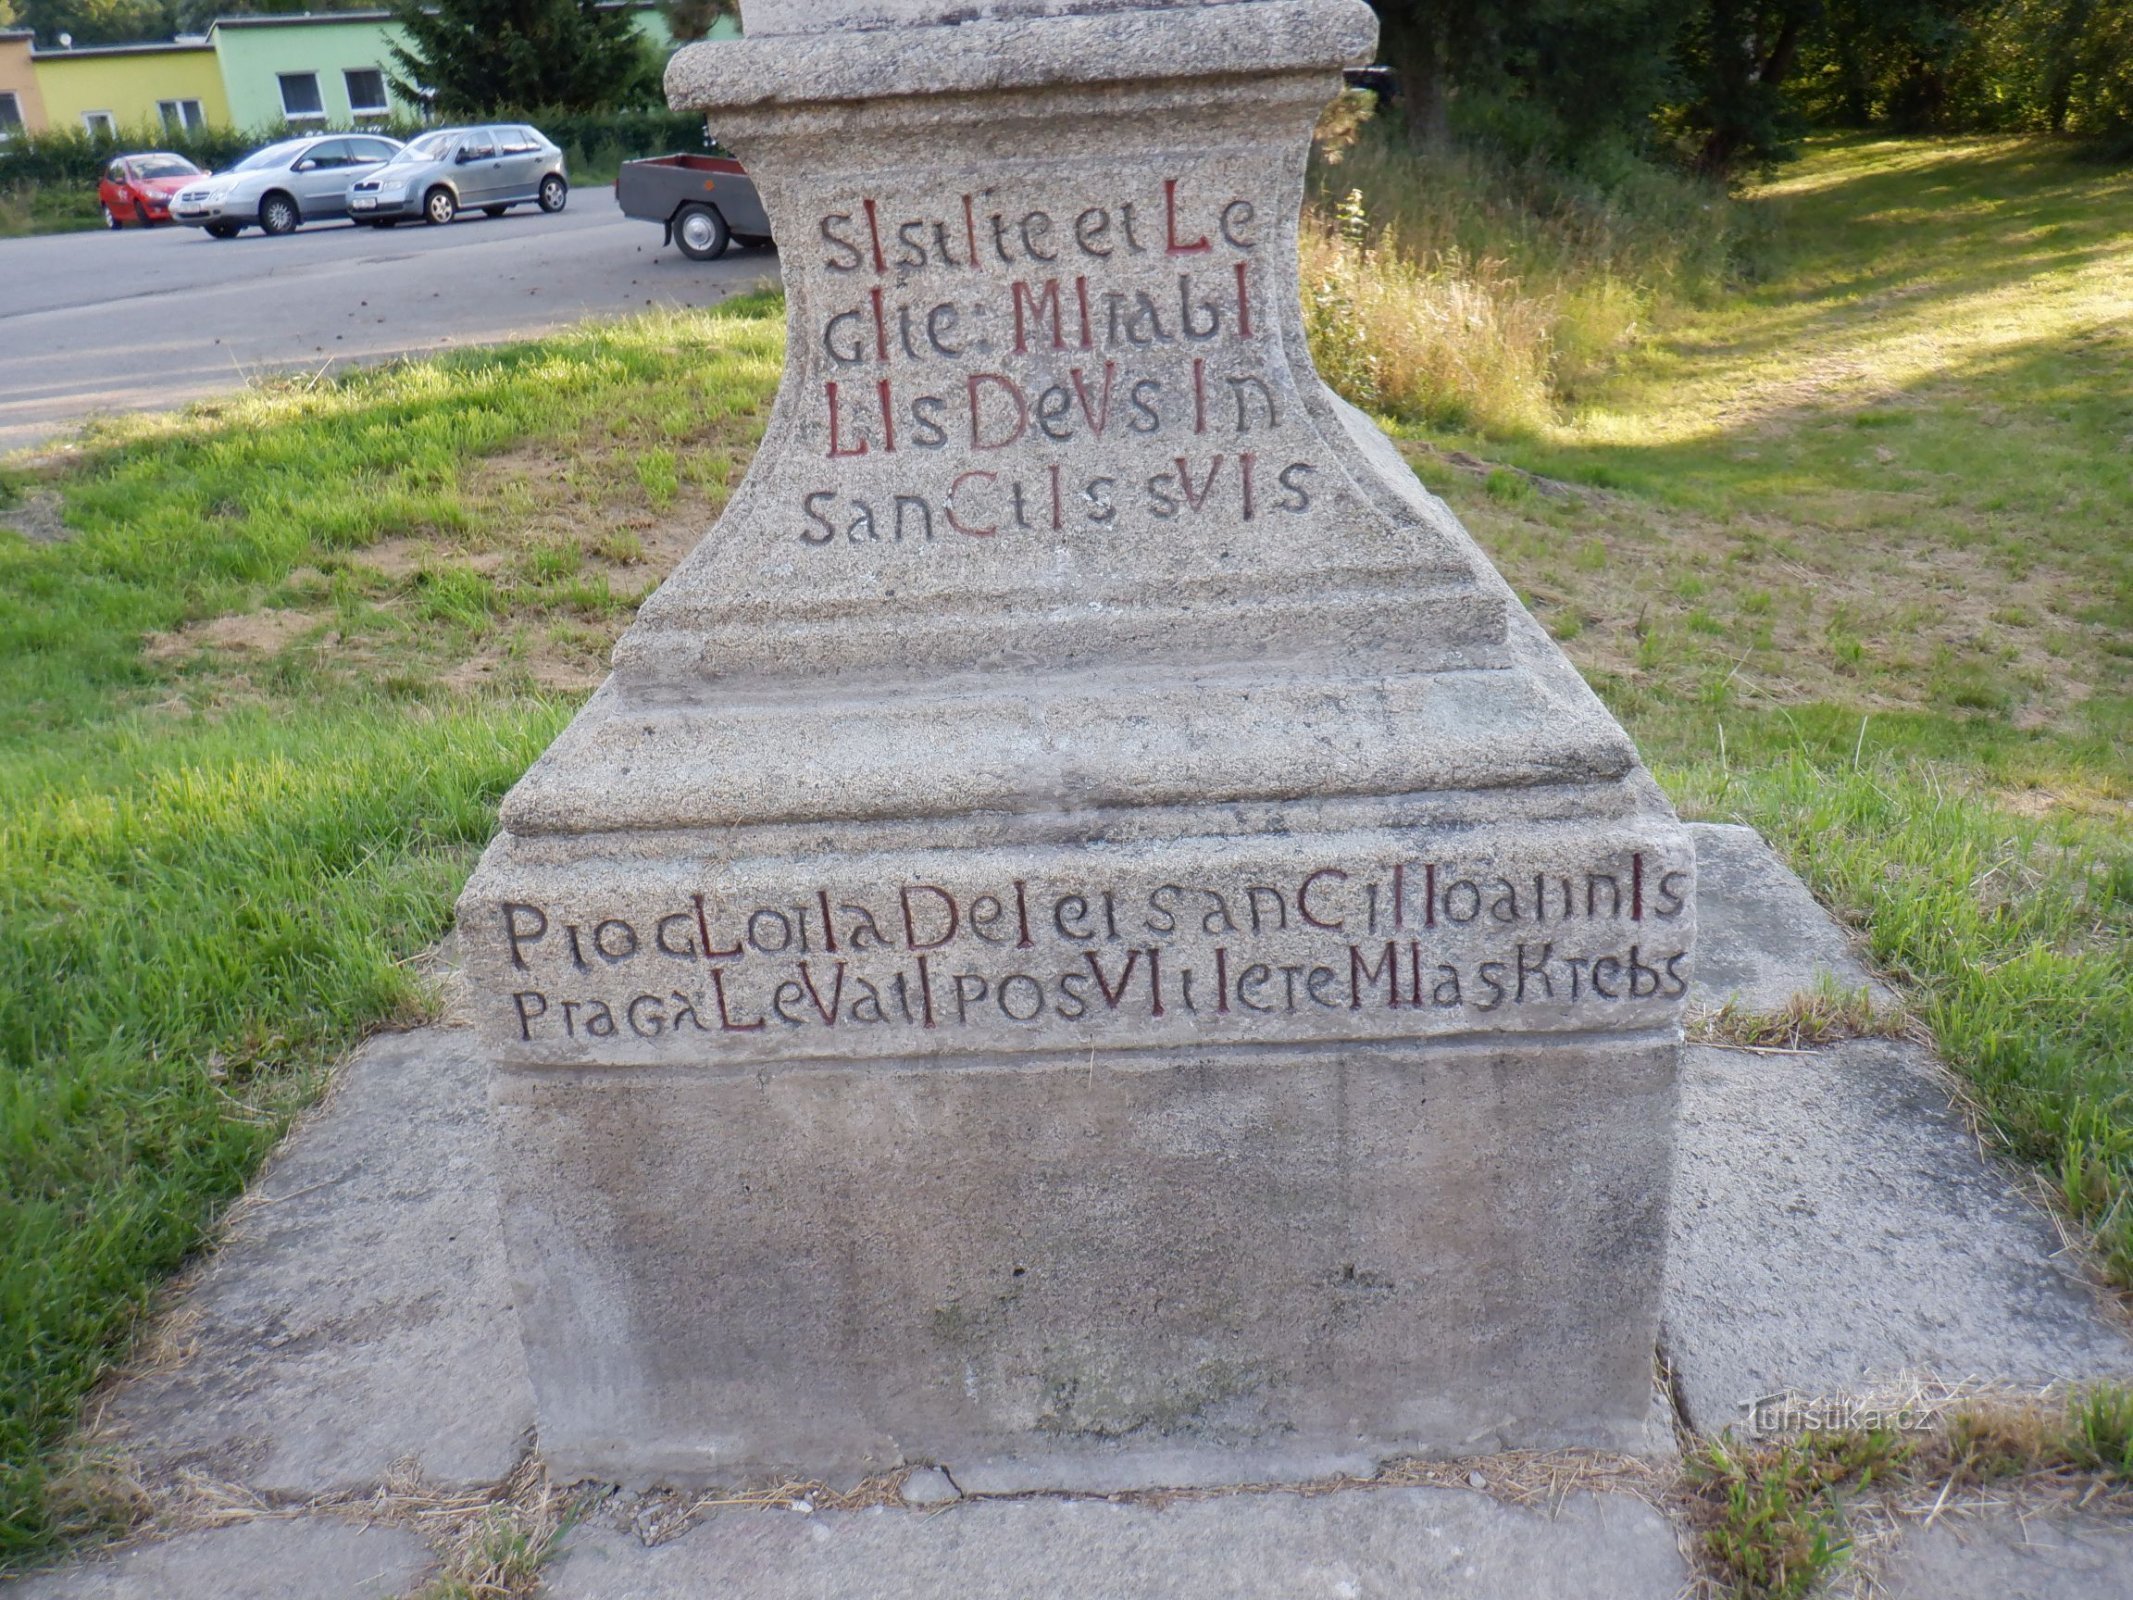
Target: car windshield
[275,155]
[163,167]
[430,147]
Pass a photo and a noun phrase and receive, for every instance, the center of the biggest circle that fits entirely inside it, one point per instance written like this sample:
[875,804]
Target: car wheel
[222,230]
[701,233]
[555,193]
[278,215]
[494,211]
[111,220]
[438,207]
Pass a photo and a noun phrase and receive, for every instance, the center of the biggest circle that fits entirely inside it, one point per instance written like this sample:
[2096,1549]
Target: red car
[138,188]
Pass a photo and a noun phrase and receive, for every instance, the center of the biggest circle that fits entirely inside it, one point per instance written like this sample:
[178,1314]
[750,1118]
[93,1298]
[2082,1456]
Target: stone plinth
[1087,923]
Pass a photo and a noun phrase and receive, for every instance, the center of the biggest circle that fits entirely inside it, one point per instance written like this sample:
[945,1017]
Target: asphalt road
[145,320]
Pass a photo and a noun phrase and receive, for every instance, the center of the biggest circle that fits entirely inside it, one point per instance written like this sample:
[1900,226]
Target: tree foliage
[467,58]
[690,20]
[1727,84]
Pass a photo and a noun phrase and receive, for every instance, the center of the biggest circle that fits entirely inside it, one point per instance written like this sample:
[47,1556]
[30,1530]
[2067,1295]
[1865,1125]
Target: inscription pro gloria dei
[1181,946]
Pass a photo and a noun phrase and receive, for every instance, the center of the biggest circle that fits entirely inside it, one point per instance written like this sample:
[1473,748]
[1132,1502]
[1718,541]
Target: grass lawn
[1851,552]
[1846,548]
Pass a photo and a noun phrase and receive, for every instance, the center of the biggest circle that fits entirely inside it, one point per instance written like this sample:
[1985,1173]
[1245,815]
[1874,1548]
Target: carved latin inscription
[1008,365]
[1345,946]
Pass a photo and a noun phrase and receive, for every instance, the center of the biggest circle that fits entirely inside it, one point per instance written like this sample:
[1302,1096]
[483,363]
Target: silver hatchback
[451,170]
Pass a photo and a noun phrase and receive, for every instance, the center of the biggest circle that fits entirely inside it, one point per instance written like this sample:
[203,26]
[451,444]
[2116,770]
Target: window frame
[191,116]
[294,119]
[13,124]
[90,121]
[382,111]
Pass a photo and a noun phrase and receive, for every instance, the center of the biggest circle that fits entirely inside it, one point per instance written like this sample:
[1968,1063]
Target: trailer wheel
[700,232]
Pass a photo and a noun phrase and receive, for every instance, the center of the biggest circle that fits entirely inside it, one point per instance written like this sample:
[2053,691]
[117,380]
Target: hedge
[593,142]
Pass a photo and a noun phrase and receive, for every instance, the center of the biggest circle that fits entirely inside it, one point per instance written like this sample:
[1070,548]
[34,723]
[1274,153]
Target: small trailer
[704,202]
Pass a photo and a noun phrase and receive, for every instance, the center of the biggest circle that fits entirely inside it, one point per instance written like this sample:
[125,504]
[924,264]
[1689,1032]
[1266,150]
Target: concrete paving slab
[1835,1228]
[2009,1558]
[357,1314]
[272,1558]
[1761,936]
[1358,1544]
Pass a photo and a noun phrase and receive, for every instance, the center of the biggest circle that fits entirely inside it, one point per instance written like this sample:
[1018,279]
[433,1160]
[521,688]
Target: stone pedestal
[1087,925]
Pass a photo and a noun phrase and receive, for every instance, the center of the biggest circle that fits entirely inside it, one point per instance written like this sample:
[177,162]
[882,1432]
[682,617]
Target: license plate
[366,202]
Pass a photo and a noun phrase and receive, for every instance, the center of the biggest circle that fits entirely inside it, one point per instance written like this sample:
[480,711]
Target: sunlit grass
[240,783]
[1848,551]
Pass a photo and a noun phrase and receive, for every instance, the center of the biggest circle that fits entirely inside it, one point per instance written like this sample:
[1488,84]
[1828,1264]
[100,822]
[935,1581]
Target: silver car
[461,169]
[284,186]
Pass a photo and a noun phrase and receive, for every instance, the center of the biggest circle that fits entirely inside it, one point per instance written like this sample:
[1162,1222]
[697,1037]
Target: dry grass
[1813,1511]
[1442,341]
[1448,287]
[1820,1017]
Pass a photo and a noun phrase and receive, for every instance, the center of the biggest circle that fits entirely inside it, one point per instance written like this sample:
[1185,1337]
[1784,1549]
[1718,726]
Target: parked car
[284,186]
[705,202]
[458,169]
[139,188]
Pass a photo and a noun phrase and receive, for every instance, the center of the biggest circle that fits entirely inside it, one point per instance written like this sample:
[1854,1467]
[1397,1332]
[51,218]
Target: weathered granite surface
[2043,1556]
[1087,926]
[1835,1230]
[356,1314]
[1380,1544]
[269,1558]
[1764,939]
[1225,1253]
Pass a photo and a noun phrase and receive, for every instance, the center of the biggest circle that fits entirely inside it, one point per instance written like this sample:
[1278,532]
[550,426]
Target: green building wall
[256,51]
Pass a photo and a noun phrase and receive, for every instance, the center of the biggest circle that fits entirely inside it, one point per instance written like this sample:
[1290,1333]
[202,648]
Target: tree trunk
[1413,45]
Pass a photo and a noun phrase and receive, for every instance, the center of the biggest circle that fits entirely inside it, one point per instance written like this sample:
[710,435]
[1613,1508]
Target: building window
[100,124]
[181,116]
[300,100]
[366,94]
[10,115]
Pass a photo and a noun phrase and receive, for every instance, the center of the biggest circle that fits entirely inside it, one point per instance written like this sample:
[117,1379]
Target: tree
[1569,79]
[690,20]
[1739,55]
[471,57]
[96,21]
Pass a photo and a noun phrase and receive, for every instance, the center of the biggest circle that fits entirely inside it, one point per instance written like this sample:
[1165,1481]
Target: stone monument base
[1050,1266]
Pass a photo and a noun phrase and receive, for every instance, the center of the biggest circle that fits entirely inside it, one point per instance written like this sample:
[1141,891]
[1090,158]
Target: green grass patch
[1848,558]
[256,712]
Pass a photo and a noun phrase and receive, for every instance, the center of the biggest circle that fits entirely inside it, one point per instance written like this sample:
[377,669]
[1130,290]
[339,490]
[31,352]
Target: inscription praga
[1021,955]
[1047,348]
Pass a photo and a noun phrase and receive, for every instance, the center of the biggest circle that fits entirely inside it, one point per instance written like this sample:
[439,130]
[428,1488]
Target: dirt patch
[264,633]
[541,670]
[1837,605]
[40,517]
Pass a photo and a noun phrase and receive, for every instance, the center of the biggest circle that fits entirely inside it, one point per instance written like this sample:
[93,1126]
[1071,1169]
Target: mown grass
[1846,550]
[247,755]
